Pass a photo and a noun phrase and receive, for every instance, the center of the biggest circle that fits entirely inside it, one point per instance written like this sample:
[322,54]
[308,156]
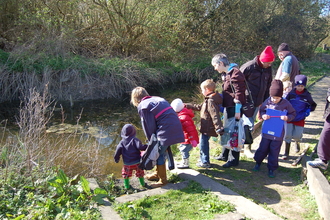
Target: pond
[101,121]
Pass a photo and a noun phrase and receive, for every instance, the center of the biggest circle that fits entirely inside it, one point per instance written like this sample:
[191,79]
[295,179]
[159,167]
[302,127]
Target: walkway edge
[106,211]
[243,206]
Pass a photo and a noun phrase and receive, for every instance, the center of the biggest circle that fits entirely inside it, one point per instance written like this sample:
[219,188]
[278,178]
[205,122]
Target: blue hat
[300,80]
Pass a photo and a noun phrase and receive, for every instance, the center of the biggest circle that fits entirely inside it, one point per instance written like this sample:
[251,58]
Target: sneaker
[318,164]
[271,173]
[284,157]
[203,165]
[220,158]
[256,168]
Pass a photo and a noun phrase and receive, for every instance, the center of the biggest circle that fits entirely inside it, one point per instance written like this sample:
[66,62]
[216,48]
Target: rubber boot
[184,164]
[153,176]
[287,150]
[141,179]
[161,169]
[247,151]
[297,147]
[126,183]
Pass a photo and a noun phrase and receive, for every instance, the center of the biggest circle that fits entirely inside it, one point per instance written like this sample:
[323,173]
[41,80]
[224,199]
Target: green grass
[192,202]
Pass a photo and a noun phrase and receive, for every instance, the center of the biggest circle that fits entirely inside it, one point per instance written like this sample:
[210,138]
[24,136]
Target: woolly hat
[300,80]
[283,47]
[276,88]
[177,105]
[267,55]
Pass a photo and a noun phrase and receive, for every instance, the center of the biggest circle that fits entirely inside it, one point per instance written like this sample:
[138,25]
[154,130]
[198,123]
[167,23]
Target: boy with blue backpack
[303,103]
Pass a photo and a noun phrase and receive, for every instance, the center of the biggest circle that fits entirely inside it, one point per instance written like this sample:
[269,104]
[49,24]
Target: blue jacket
[129,146]
[303,104]
[158,117]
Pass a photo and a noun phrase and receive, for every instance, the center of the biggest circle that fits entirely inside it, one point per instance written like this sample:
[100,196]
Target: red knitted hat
[267,55]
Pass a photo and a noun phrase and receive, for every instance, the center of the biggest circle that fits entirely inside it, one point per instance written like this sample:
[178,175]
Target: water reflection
[101,120]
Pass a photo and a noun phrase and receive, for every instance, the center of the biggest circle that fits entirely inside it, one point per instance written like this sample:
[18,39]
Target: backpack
[150,156]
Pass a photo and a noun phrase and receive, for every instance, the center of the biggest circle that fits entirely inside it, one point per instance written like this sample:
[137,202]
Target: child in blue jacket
[303,103]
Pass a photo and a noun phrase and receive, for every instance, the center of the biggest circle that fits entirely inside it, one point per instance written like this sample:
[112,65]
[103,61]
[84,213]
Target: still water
[101,121]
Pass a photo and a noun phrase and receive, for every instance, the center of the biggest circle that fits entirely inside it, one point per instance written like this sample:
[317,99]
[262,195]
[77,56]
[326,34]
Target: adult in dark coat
[323,148]
[158,117]
[258,75]
[233,91]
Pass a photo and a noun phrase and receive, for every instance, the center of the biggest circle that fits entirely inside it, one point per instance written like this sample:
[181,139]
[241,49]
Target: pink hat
[267,55]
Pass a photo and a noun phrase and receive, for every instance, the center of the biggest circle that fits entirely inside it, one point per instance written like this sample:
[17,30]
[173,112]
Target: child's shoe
[256,168]
[126,183]
[271,174]
[317,163]
[203,165]
[184,164]
[141,180]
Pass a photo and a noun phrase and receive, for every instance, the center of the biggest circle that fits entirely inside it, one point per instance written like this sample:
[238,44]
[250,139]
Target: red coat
[188,126]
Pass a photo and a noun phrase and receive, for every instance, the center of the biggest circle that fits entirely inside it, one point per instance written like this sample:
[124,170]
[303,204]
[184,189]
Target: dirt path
[282,192]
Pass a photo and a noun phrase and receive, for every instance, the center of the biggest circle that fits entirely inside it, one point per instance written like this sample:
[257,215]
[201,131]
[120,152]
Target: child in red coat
[189,129]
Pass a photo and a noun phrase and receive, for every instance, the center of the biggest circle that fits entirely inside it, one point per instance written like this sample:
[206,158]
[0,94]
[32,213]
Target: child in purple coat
[130,148]
[270,145]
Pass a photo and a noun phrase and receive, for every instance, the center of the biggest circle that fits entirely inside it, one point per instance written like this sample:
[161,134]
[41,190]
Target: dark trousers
[323,148]
[272,149]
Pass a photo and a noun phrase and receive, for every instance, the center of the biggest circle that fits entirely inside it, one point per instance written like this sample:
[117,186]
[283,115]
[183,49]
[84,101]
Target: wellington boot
[247,151]
[287,151]
[161,169]
[126,183]
[154,176]
[141,179]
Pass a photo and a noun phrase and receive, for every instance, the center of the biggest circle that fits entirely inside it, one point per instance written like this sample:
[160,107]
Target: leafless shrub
[33,147]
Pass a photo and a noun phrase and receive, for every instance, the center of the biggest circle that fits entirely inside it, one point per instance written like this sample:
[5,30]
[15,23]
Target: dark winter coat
[301,103]
[129,146]
[327,106]
[188,126]
[209,114]
[258,79]
[233,88]
[158,117]
[281,105]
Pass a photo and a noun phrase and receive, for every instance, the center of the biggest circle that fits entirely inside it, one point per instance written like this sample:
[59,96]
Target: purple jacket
[281,105]
[129,146]
[157,116]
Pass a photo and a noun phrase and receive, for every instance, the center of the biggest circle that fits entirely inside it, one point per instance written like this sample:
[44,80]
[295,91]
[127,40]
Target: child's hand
[284,117]
[265,117]
[238,115]
[193,143]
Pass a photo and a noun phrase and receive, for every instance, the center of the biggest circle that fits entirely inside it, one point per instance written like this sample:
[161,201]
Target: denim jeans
[162,155]
[184,149]
[204,148]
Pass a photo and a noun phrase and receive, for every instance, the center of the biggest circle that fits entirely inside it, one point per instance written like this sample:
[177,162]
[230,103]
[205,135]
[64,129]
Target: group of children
[296,104]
